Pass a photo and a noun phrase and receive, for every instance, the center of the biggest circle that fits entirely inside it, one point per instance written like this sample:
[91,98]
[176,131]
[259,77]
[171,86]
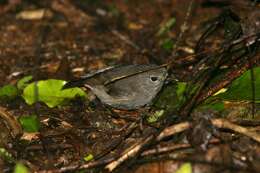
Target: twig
[78,167]
[108,160]
[184,27]
[212,163]
[222,123]
[41,39]
[188,106]
[174,129]
[125,39]
[246,122]
[133,151]
[114,143]
[170,148]
[219,123]
[129,153]
[160,150]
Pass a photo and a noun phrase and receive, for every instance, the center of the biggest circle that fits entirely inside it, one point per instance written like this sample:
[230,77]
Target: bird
[126,87]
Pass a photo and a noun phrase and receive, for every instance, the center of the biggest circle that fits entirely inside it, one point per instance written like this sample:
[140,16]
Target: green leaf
[185,168]
[50,92]
[215,105]
[8,92]
[241,89]
[5,155]
[167,98]
[166,27]
[88,157]
[171,97]
[20,168]
[154,117]
[181,88]
[167,44]
[22,83]
[30,123]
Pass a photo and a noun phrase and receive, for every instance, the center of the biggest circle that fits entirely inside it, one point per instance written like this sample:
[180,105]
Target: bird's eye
[154,78]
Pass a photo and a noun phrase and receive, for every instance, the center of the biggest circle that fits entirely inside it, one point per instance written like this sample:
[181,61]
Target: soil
[75,37]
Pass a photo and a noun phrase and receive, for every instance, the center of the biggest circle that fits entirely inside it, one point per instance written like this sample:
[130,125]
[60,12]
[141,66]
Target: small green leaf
[166,27]
[181,88]
[30,123]
[167,98]
[154,117]
[216,105]
[5,155]
[22,83]
[88,157]
[50,92]
[8,92]
[20,168]
[167,44]
[185,168]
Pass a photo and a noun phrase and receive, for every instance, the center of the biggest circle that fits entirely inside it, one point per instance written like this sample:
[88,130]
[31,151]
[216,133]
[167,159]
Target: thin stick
[174,129]
[184,27]
[133,151]
[130,153]
[219,123]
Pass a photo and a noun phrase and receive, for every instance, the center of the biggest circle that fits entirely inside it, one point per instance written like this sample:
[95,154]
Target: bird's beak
[171,79]
[72,84]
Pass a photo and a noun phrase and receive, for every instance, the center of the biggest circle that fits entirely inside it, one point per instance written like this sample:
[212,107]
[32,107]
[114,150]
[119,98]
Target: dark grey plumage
[125,87]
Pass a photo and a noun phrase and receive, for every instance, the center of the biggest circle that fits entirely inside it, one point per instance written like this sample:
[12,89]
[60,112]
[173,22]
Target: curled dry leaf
[12,122]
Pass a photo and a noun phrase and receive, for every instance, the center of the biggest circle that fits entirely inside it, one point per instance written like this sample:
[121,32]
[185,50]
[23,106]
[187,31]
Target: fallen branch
[219,123]
[177,128]
[129,153]
[133,151]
